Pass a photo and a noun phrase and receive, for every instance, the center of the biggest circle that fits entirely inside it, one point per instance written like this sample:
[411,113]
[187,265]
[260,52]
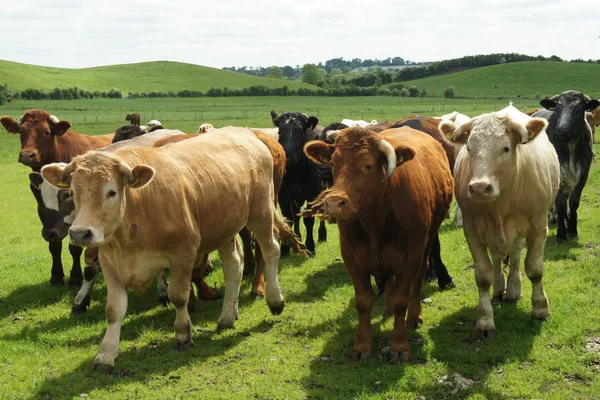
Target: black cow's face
[293,133]
[59,208]
[569,114]
[127,132]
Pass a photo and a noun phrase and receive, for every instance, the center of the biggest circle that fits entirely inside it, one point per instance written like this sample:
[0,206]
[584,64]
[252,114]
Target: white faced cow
[506,178]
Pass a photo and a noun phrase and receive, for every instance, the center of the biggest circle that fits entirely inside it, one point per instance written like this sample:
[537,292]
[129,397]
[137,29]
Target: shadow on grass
[319,282]
[144,363]
[34,296]
[453,342]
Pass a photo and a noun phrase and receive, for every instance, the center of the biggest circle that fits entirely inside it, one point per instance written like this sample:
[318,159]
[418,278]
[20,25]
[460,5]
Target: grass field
[528,79]
[160,76]
[306,352]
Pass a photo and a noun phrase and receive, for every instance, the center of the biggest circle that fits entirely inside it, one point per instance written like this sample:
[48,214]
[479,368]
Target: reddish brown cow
[390,195]
[134,118]
[44,140]
[258,284]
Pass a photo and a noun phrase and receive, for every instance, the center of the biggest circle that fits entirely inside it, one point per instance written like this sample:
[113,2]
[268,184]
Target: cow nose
[26,156]
[481,187]
[49,235]
[336,204]
[80,236]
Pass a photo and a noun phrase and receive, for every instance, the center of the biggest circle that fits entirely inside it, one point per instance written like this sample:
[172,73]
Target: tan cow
[506,178]
[149,208]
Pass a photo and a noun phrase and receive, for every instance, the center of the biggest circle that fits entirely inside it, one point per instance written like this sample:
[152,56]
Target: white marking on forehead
[50,193]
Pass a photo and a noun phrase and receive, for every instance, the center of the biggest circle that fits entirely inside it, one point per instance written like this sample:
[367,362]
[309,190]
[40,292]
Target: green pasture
[527,79]
[159,76]
[306,352]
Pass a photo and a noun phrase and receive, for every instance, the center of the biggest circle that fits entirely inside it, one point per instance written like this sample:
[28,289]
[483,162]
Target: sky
[225,33]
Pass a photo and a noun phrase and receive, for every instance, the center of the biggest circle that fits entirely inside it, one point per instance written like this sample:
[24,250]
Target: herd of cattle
[145,199]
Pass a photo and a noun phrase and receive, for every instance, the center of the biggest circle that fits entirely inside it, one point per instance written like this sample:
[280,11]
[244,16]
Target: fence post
[96,117]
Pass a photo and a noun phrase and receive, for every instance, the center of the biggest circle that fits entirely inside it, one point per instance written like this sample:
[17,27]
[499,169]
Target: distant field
[105,115]
[160,76]
[306,352]
[527,79]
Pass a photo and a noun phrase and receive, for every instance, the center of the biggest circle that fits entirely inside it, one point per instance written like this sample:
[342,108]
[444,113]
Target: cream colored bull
[149,208]
[506,178]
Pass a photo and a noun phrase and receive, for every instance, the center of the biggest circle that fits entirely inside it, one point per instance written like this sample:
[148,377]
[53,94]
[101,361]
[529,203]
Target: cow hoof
[497,298]
[164,300]
[104,368]
[256,296]
[80,308]
[363,356]
[73,282]
[57,282]
[446,285]
[278,309]
[541,314]
[397,358]
[486,333]
[414,324]
[511,300]
[560,241]
[223,326]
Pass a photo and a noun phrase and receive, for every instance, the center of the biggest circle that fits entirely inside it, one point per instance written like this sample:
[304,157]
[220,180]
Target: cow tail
[287,236]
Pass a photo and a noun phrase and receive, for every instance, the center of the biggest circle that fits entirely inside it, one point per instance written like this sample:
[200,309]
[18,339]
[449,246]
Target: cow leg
[499,280]
[574,206]
[205,292]
[414,320]
[116,307]
[443,277]
[322,232]
[458,215]
[269,245]
[179,294]
[76,276]
[249,262]
[401,299]
[309,223]
[162,287]
[287,210]
[258,283]
[57,273]
[363,300]
[232,269]
[560,206]
[84,296]
[534,267]
[513,287]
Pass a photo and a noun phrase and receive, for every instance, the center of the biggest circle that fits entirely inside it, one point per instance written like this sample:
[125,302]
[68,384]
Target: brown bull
[134,118]
[390,195]
[45,139]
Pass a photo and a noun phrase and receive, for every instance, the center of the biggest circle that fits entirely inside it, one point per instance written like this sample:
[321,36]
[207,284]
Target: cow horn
[386,148]
[20,121]
[127,172]
[54,119]
[65,176]
[586,98]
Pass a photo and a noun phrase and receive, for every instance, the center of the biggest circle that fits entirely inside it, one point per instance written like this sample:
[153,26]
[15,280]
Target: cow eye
[368,166]
[47,133]
[111,194]
[66,195]
[506,149]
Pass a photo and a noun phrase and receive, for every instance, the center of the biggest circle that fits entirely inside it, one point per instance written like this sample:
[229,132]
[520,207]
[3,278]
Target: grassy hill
[529,78]
[161,76]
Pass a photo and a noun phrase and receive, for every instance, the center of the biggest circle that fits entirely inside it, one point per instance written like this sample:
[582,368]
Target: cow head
[128,132]
[568,119]
[100,183]
[295,129]
[38,130]
[491,146]
[59,208]
[362,163]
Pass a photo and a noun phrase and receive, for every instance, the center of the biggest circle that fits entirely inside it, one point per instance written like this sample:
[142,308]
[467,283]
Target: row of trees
[3,94]
[394,89]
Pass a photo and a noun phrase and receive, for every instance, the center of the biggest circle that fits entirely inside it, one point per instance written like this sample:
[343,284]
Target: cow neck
[70,145]
[373,222]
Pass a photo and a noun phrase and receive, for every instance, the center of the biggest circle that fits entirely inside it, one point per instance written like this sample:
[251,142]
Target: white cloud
[74,33]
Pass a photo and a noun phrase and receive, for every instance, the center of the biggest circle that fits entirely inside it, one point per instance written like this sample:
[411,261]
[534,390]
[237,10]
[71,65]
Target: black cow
[571,136]
[301,182]
[128,132]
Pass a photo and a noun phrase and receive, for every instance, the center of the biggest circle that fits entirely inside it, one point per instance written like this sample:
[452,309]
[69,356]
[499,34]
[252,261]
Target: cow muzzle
[28,158]
[85,236]
[339,206]
[482,190]
[54,234]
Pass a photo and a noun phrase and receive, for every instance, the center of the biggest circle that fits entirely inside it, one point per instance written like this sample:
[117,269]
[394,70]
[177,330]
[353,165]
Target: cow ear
[530,130]
[52,173]
[592,105]
[311,123]
[36,180]
[10,124]
[548,104]
[142,175]
[403,154]
[275,118]
[456,134]
[319,152]
[60,128]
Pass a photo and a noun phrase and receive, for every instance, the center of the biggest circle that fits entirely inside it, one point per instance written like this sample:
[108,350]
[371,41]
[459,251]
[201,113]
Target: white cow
[506,179]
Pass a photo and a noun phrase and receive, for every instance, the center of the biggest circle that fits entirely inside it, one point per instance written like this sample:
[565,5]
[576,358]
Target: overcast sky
[218,33]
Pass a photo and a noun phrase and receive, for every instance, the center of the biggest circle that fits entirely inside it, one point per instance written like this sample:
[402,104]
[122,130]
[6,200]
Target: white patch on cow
[86,290]
[570,173]
[70,218]
[153,123]
[50,193]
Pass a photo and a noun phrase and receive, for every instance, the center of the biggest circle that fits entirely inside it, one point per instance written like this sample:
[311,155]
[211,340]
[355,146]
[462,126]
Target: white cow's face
[492,142]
